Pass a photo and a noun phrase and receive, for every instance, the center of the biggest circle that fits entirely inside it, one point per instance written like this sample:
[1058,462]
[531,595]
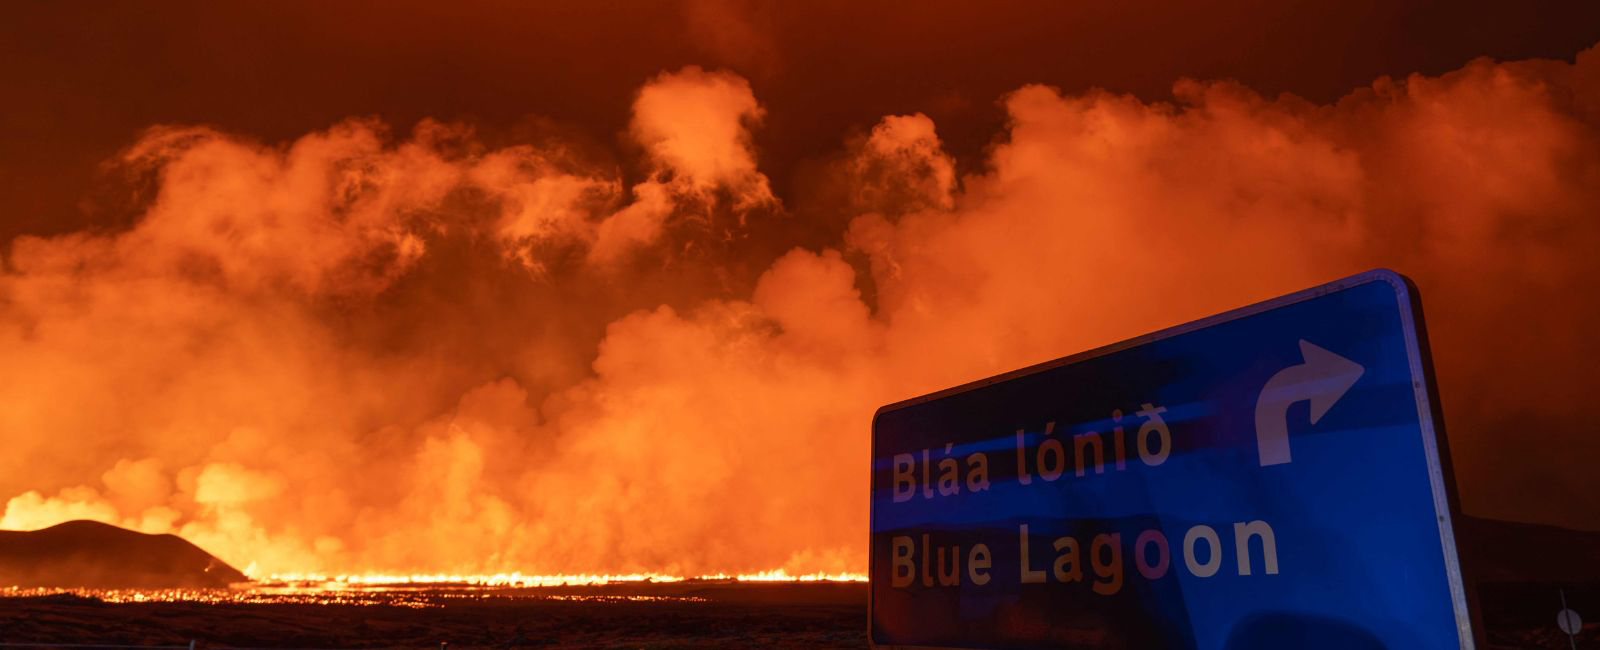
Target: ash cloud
[361,352]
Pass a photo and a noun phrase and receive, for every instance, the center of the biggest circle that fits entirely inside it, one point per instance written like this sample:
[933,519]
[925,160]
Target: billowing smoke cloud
[357,353]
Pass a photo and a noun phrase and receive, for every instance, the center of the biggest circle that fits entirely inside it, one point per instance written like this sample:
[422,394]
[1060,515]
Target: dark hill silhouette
[1507,551]
[1520,573]
[96,555]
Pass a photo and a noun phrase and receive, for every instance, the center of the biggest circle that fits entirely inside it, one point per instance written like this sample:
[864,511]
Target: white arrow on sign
[1322,379]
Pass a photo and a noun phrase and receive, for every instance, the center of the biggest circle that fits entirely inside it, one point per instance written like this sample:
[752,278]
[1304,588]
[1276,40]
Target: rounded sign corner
[1404,287]
[882,411]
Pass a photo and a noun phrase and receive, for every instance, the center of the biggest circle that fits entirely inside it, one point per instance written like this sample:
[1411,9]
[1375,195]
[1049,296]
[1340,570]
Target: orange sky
[544,289]
[83,80]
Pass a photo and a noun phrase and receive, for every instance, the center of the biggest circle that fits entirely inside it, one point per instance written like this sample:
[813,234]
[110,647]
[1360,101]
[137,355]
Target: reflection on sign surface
[1266,478]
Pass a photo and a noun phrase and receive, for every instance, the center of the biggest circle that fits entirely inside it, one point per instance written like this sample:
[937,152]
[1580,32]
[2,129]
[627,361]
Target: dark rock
[96,555]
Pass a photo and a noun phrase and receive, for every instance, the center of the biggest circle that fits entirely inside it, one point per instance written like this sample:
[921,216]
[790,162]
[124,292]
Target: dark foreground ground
[618,616]
[740,616]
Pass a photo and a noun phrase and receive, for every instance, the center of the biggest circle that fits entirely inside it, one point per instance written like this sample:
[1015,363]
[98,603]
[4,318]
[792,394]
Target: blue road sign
[1271,477]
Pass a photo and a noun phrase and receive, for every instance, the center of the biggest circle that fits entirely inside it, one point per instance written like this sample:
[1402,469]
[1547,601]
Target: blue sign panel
[1265,478]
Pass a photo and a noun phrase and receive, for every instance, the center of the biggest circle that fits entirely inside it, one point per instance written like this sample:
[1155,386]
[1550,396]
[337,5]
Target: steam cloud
[357,352]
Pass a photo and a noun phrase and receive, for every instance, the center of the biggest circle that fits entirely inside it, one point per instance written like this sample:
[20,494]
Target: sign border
[1441,476]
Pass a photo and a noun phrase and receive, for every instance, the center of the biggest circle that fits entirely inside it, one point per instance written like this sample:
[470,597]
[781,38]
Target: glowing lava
[516,580]
[430,590]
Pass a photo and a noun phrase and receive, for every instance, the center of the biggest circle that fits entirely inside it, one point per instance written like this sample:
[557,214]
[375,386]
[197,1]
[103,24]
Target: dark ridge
[1520,574]
[1494,550]
[94,555]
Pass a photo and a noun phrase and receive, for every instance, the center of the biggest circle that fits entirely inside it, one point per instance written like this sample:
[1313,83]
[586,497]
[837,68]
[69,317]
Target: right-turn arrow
[1322,379]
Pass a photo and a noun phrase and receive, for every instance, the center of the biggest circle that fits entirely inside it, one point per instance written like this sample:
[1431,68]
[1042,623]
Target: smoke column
[363,350]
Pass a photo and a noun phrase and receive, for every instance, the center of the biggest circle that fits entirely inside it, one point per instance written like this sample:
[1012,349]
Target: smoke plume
[362,351]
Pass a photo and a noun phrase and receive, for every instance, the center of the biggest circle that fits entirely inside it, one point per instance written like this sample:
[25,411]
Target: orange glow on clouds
[389,356]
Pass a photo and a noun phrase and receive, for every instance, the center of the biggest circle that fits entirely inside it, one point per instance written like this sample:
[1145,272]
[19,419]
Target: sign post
[1269,477]
[1569,622]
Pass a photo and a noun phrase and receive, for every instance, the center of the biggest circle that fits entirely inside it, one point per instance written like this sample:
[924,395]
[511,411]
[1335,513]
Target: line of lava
[421,590]
[520,580]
